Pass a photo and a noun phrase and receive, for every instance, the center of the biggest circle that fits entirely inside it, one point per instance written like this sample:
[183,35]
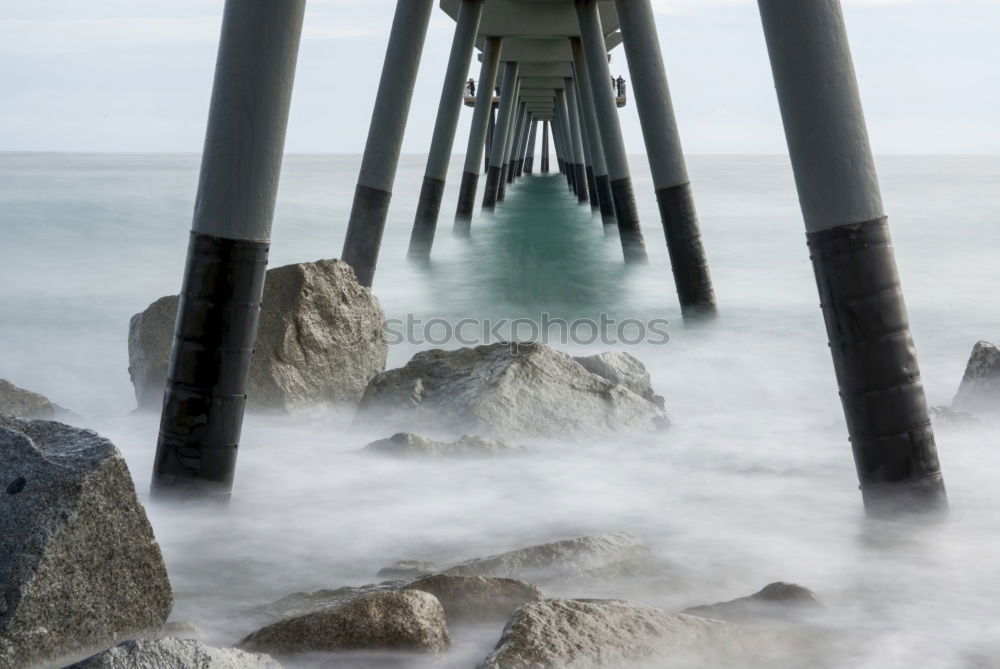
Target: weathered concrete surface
[79,566]
[174,653]
[624,369]
[779,601]
[23,403]
[320,340]
[392,620]
[471,599]
[601,556]
[979,392]
[506,390]
[409,444]
[581,633]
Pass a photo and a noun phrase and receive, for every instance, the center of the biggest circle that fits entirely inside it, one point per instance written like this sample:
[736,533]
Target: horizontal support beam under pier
[508,18]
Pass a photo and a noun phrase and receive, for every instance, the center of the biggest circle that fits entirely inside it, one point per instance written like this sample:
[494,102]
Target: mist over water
[754,482]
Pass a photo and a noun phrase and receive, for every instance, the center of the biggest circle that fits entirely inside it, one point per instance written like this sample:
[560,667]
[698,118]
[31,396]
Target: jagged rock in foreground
[776,601]
[601,556]
[320,341]
[390,620]
[468,599]
[409,444]
[625,369]
[507,390]
[979,392]
[79,566]
[23,403]
[173,653]
[585,633]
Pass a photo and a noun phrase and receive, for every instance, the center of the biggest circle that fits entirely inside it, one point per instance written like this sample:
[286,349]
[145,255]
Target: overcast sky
[135,75]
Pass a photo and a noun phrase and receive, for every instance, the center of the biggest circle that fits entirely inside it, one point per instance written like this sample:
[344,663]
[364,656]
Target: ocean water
[753,483]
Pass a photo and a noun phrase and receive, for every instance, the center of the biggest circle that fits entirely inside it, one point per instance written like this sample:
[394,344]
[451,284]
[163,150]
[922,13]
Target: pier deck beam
[507,102]
[443,139]
[223,285]
[851,251]
[479,133]
[596,57]
[385,136]
[666,160]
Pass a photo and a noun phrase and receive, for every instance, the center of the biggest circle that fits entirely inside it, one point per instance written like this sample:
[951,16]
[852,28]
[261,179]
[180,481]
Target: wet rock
[469,599]
[300,603]
[979,392]
[320,340]
[582,633]
[776,601]
[79,566]
[23,403]
[404,621]
[172,653]
[623,369]
[408,569]
[506,390]
[409,444]
[602,556]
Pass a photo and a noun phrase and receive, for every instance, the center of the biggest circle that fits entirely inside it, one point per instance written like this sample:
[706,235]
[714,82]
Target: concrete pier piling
[545,147]
[523,149]
[507,102]
[529,159]
[606,108]
[443,139]
[666,159]
[848,237]
[479,133]
[572,107]
[223,284]
[570,158]
[515,142]
[588,147]
[508,148]
[489,135]
[602,184]
[385,136]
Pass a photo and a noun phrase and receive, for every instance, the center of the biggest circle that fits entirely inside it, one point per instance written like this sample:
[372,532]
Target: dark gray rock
[468,446]
[173,653]
[624,369]
[777,601]
[23,403]
[473,599]
[408,569]
[581,633]
[79,566]
[602,556]
[979,392]
[507,390]
[388,620]
[320,341]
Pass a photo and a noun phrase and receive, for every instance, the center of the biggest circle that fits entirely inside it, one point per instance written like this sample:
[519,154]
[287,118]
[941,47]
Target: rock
[472,599]
[23,403]
[506,390]
[79,566]
[404,621]
[623,369]
[581,633]
[172,653]
[300,603]
[408,569]
[979,392]
[602,556]
[947,416]
[409,444]
[776,601]
[320,340]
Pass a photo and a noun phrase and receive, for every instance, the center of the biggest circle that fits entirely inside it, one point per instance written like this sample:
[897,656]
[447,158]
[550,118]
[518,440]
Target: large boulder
[624,369]
[23,403]
[174,653]
[979,392]
[301,603]
[582,633]
[407,444]
[507,389]
[777,601]
[387,620]
[79,566]
[321,340]
[474,599]
[602,556]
